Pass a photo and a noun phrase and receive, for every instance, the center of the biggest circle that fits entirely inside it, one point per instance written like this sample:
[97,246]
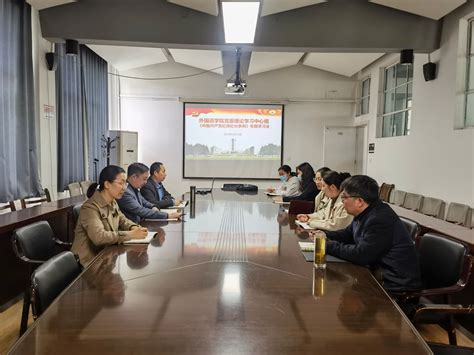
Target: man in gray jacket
[132,203]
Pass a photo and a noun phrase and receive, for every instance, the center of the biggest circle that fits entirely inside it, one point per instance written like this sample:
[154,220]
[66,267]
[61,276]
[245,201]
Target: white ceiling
[265,61]
[341,63]
[208,6]
[434,9]
[202,59]
[43,4]
[126,58]
[270,7]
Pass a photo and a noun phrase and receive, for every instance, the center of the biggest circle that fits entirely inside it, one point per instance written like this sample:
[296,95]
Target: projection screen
[240,141]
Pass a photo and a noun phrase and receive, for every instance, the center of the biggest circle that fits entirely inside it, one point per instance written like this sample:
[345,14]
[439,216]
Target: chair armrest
[443,309]
[63,244]
[31,261]
[430,292]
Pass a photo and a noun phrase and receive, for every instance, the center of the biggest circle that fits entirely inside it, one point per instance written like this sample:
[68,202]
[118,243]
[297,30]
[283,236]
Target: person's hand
[178,201]
[175,215]
[302,217]
[316,233]
[156,209]
[138,232]
[270,189]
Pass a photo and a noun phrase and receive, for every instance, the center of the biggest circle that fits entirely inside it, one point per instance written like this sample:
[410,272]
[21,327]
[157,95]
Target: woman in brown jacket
[100,221]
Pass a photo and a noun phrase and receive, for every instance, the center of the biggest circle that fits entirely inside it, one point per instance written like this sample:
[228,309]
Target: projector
[234,88]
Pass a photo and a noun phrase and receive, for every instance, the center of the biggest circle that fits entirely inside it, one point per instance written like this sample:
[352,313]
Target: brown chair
[445,267]
[35,200]
[297,207]
[385,190]
[8,205]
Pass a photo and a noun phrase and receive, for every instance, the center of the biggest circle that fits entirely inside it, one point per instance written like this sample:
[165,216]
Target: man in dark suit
[154,191]
[376,238]
[132,203]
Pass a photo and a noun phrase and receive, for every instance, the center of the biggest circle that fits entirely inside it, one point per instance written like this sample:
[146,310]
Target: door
[361,139]
[339,151]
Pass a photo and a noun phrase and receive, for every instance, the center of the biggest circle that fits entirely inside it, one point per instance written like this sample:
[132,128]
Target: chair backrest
[34,242]
[8,206]
[398,197]
[412,227]
[35,200]
[459,214]
[76,210]
[385,190]
[441,260]
[51,278]
[85,186]
[412,201]
[433,207]
[74,189]
[297,207]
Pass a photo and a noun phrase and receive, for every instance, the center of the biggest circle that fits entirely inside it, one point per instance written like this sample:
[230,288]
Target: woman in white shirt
[334,216]
[290,184]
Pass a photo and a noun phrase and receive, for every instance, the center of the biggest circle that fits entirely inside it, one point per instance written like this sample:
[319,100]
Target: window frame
[407,110]
[362,98]
[469,56]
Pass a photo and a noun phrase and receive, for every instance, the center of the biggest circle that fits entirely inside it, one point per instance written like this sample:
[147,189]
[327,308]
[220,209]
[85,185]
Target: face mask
[300,178]
[282,178]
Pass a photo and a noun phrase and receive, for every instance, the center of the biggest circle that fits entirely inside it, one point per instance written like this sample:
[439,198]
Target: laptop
[204,190]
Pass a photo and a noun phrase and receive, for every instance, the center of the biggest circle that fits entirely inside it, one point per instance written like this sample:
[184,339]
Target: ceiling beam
[333,26]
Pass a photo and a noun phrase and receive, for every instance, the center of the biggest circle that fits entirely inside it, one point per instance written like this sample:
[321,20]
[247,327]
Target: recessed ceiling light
[240,21]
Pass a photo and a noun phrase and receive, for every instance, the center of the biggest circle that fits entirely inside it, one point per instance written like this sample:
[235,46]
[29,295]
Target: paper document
[303,225]
[306,246]
[145,240]
[181,205]
[169,210]
[160,219]
[281,202]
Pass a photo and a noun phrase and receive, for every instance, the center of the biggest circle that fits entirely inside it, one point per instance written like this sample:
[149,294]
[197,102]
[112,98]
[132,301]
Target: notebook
[145,240]
[181,205]
[307,249]
[303,225]
[205,190]
[273,194]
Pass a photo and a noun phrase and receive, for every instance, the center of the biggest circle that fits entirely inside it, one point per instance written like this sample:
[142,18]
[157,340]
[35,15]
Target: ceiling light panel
[240,21]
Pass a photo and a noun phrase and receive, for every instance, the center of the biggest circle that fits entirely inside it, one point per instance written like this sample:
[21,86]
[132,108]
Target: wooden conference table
[229,279]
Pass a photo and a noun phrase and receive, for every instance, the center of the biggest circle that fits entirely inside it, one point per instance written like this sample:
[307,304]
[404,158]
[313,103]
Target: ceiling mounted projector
[234,88]
[235,85]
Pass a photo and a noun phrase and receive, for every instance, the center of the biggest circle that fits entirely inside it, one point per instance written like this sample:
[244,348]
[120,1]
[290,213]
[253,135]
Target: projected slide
[232,140]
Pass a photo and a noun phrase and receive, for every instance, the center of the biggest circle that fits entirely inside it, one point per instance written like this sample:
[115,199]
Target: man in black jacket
[376,237]
[154,191]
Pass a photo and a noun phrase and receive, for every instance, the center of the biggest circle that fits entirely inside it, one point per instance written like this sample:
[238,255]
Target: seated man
[376,237]
[132,203]
[154,191]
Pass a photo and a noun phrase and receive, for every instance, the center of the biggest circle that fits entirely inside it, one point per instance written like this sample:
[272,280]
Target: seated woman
[308,187]
[290,184]
[321,201]
[100,221]
[334,216]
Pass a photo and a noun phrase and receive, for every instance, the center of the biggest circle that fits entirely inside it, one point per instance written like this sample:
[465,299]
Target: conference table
[229,279]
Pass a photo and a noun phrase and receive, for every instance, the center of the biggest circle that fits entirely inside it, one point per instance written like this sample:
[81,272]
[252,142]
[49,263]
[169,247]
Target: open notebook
[307,249]
[145,240]
[303,225]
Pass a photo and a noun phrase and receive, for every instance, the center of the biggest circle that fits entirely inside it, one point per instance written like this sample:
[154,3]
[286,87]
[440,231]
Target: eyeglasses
[124,184]
[345,197]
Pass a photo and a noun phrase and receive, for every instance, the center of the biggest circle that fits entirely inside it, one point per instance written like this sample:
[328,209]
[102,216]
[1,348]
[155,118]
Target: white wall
[435,159]
[313,99]
[45,94]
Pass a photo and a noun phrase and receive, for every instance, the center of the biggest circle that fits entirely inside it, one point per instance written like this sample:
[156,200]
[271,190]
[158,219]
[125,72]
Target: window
[363,104]
[397,91]
[469,114]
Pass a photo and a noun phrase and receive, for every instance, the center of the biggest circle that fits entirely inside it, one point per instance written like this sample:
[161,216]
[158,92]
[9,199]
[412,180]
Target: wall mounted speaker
[51,61]
[429,71]
[406,56]
[72,47]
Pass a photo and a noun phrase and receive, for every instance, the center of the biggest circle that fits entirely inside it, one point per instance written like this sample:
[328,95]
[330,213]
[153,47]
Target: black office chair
[445,267]
[412,227]
[51,278]
[33,245]
[75,212]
